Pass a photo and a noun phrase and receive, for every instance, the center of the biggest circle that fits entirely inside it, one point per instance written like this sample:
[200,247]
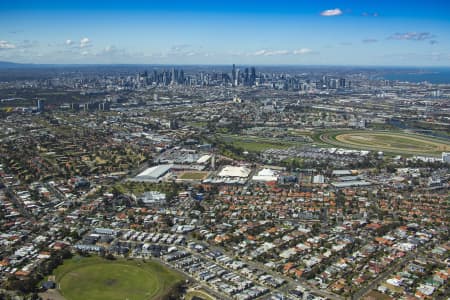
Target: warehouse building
[153,174]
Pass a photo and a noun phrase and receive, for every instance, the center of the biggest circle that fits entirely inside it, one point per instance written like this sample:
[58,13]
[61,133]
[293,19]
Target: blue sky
[327,32]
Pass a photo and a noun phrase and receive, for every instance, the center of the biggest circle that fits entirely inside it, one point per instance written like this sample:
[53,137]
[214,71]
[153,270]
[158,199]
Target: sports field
[96,278]
[193,175]
[392,142]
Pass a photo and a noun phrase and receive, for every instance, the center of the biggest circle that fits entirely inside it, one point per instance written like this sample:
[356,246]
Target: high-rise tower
[233,75]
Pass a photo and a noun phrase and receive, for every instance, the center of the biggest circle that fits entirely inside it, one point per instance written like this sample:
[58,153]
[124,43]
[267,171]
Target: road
[17,202]
[383,276]
[57,193]
[290,281]
[192,279]
[205,285]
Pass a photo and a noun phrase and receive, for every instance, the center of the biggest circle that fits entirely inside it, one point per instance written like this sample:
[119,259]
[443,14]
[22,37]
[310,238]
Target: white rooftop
[266,172]
[203,159]
[155,172]
[266,175]
[232,171]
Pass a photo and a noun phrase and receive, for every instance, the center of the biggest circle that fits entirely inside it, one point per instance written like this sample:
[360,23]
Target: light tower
[213,162]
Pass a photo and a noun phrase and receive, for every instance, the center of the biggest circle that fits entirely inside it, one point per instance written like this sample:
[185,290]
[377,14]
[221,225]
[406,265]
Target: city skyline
[405,33]
[284,150]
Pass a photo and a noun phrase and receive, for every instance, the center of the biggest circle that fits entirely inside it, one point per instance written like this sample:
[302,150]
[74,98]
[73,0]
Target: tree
[110,256]
[176,292]
[66,254]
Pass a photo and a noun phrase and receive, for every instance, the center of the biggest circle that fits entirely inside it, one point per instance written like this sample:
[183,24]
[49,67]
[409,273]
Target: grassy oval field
[393,142]
[97,279]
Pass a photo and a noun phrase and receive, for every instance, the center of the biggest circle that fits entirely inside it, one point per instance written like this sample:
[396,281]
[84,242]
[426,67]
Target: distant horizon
[227,64]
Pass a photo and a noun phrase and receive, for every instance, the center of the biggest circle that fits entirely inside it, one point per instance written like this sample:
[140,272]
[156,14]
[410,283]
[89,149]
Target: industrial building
[233,171]
[153,198]
[153,174]
[266,175]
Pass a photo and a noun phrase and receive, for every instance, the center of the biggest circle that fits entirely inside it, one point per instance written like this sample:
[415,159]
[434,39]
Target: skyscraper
[155,77]
[181,77]
[40,105]
[252,76]
[173,79]
[233,75]
[246,77]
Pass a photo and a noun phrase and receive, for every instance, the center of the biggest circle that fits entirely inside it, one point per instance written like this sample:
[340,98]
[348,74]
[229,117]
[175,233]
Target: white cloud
[331,12]
[109,49]
[412,56]
[266,52]
[111,53]
[412,36]
[438,56]
[369,40]
[85,42]
[183,50]
[6,45]
[180,48]
[302,51]
[368,14]
[112,50]
[28,44]
[259,52]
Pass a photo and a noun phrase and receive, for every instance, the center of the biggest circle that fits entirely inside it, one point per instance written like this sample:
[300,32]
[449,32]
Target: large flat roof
[351,183]
[232,171]
[203,159]
[154,172]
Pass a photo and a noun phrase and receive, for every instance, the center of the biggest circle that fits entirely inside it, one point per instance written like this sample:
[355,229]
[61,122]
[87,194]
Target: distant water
[436,76]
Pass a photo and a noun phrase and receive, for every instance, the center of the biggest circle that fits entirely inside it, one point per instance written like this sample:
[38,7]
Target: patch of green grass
[299,132]
[379,126]
[199,294]
[193,175]
[255,144]
[377,295]
[96,278]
